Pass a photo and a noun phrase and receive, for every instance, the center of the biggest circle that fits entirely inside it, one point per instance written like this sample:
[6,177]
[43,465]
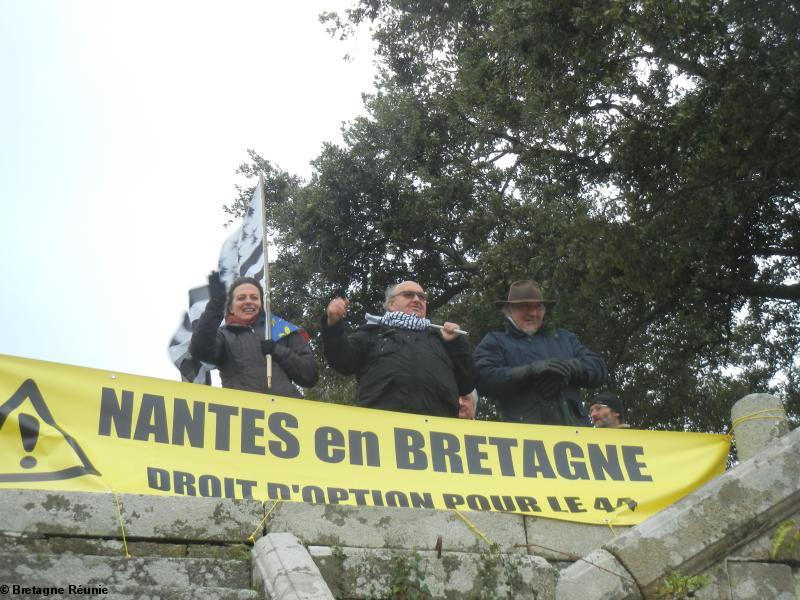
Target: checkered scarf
[401,320]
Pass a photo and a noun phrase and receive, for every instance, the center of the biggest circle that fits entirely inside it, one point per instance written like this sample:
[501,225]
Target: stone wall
[723,532]
[206,548]
[172,548]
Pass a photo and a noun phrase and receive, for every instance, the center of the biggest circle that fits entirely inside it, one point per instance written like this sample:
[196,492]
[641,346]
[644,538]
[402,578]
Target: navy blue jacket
[518,401]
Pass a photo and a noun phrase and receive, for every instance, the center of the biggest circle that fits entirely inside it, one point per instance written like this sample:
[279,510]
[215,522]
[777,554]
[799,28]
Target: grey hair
[390,293]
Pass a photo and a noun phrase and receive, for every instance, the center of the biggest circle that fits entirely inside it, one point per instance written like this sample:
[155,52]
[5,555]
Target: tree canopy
[640,159]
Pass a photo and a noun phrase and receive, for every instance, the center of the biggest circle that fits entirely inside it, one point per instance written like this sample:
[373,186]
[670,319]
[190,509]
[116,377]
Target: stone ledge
[85,514]
[599,575]
[197,519]
[134,592]
[64,569]
[366,572]
[759,548]
[283,568]
[115,548]
[760,581]
[410,529]
[702,528]
[566,541]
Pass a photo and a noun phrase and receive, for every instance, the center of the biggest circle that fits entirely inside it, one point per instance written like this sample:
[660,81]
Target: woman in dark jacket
[238,348]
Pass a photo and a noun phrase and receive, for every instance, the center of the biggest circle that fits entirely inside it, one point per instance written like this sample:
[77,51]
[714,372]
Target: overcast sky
[121,125]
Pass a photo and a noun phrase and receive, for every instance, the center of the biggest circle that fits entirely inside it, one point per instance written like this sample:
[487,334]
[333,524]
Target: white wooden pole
[267,301]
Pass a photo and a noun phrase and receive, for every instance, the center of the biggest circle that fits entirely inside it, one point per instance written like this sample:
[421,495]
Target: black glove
[574,370]
[530,371]
[216,289]
[548,385]
[267,347]
[521,374]
[558,368]
[536,369]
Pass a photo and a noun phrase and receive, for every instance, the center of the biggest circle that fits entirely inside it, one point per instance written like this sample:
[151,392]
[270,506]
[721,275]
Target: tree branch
[756,289]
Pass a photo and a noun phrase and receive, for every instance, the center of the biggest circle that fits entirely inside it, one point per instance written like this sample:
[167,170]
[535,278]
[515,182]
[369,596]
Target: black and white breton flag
[242,255]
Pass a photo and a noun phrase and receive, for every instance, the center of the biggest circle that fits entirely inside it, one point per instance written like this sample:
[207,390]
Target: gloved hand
[548,385]
[267,347]
[536,369]
[574,370]
[216,289]
[557,367]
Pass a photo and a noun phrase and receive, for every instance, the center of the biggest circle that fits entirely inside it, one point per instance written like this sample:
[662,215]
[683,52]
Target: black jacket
[499,352]
[236,351]
[401,370]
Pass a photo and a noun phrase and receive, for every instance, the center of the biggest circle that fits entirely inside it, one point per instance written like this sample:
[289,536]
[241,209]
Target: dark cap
[610,400]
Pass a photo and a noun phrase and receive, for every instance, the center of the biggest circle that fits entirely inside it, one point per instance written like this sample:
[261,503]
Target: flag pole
[267,302]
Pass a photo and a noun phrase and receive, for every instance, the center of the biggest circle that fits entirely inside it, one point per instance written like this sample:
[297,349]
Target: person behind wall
[607,410]
[238,348]
[533,371]
[399,362]
[468,405]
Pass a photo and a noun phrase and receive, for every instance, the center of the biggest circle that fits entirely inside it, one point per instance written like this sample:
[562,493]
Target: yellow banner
[77,429]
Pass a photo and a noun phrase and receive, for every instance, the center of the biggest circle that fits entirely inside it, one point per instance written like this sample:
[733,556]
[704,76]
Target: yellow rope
[473,527]
[119,514]
[252,537]
[611,527]
[614,516]
[781,416]
[121,524]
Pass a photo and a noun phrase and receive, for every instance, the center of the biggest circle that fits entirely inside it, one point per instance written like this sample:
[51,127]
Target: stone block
[761,581]
[284,569]
[597,576]
[759,548]
[796,574]
[768,423]
[195,519]
[410,529]
[40,513]
[44,513]
[133,592]
[64,569]
[373,572]
[221,551]
[91,546]
[717,586]
[106,547]
[553,539]
[703,527]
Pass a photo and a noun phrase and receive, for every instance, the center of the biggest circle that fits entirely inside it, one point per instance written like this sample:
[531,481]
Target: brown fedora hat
[524,291]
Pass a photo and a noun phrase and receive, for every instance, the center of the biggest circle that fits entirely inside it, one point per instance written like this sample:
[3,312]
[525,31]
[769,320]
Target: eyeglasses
[409,295]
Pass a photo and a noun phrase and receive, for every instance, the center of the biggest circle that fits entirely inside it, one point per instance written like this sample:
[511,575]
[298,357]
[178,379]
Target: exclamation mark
[29,428]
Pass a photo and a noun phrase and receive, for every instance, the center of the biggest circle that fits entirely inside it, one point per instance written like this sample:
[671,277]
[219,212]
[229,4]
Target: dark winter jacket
[401,370]
[236,351]
[520,401]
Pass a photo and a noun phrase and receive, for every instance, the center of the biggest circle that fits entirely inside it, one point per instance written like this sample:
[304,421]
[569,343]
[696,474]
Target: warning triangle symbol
[34,447]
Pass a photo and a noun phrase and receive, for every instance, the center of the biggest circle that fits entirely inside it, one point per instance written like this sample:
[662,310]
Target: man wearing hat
[607,410]
[533,371]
